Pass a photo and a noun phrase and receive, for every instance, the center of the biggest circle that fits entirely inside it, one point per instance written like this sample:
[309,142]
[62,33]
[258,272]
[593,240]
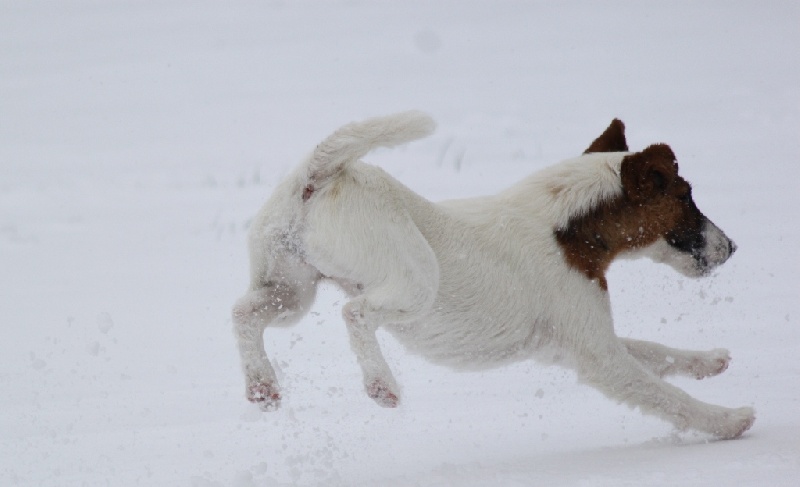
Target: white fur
[471,283]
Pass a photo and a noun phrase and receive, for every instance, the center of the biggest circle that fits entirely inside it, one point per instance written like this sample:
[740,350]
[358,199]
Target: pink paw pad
[266,395]
[713,366]
[382,394]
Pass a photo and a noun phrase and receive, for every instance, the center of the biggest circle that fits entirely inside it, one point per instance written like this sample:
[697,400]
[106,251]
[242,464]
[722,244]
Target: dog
[482,282]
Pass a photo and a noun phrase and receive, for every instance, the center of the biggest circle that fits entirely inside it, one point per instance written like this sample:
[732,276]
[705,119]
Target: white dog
[486,281]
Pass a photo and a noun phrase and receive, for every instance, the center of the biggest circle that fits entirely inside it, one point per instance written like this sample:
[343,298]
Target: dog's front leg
[611,369]
[664,361]
[379,382]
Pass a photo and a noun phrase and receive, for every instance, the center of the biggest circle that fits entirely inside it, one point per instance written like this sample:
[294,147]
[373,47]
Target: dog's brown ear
[648,173]
[612,140]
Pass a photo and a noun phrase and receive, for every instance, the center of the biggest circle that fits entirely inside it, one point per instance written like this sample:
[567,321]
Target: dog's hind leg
[616,373]
[397,273]
[280,299]
[379,382]
[368,312]
[664,361]
[400,292]
[389,259]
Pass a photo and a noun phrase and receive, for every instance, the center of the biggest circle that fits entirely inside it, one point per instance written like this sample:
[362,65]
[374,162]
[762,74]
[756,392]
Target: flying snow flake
[104,322]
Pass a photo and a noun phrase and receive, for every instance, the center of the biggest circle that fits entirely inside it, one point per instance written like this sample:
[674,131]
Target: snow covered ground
[138,138]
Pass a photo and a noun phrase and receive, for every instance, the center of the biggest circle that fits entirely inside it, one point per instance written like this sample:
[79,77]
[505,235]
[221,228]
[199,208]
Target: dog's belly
[466,341]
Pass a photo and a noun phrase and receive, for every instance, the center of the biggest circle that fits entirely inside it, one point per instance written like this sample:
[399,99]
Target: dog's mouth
[692,246]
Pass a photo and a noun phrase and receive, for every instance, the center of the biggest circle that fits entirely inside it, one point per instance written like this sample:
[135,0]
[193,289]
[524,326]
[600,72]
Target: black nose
[731,247]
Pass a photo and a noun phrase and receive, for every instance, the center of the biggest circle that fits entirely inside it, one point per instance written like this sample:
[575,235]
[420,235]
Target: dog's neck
[592,241]
[581,199]
[592,219]
[574,187]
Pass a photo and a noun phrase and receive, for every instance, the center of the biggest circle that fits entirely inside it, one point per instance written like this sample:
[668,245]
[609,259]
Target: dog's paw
[382,394]
[710,363]
[735,422]
[265,394]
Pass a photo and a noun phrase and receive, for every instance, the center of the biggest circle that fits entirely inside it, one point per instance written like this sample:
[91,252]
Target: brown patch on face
[646,173]
[612,140]
[655,202]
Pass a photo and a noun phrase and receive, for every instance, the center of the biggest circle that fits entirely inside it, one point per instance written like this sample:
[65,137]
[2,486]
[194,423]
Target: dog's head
[654,215]
[682,236]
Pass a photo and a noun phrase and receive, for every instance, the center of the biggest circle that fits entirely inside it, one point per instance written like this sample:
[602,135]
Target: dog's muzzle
[717,248]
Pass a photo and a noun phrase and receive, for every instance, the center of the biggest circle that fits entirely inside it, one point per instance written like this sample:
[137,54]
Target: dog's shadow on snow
[673,458]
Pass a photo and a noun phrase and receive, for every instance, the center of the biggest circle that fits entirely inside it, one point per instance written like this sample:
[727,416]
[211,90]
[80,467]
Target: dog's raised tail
[354,140]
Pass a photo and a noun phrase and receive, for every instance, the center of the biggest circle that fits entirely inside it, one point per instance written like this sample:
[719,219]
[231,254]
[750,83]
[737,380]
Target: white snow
[137,139]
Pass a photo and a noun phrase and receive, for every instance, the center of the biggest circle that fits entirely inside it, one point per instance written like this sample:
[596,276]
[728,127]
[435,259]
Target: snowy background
[138,139]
